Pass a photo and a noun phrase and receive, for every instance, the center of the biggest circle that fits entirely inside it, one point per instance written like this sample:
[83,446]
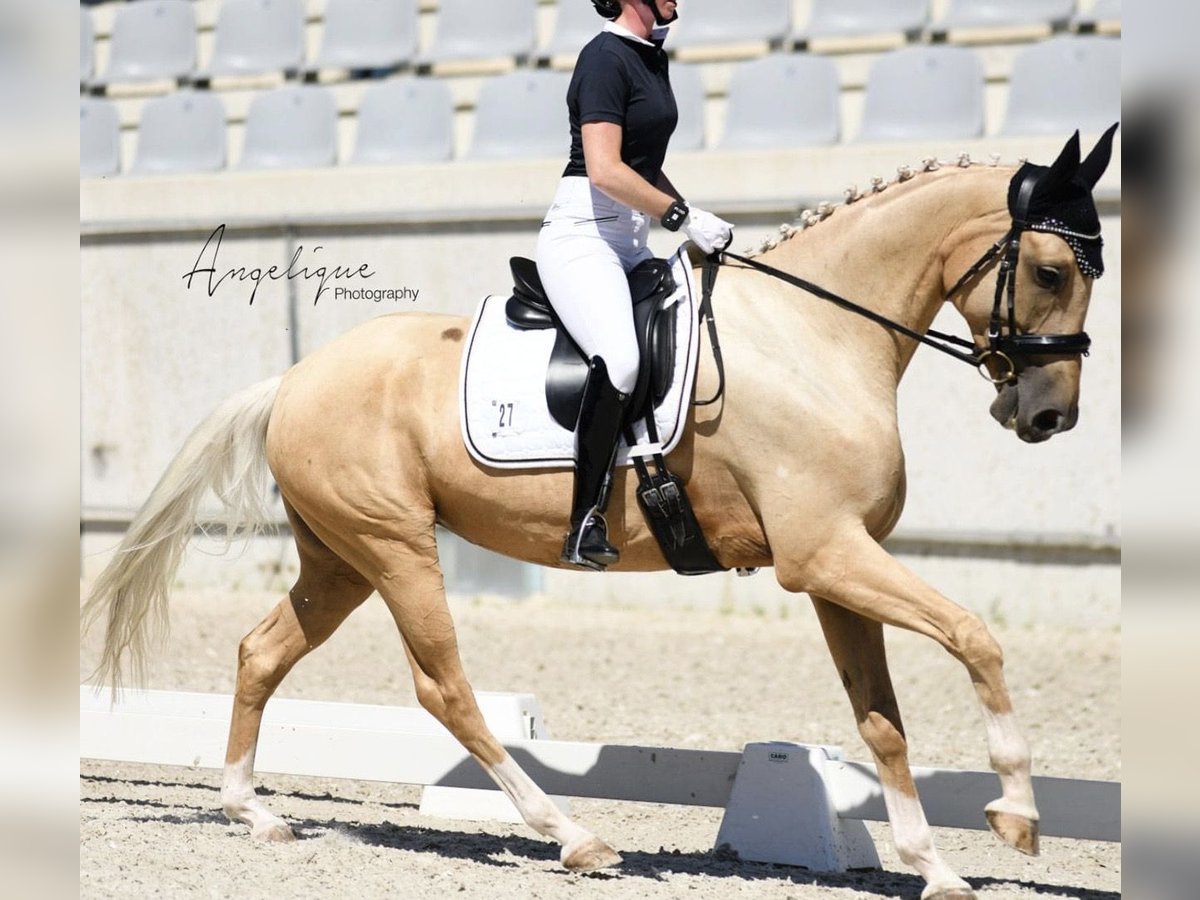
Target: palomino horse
[799,468]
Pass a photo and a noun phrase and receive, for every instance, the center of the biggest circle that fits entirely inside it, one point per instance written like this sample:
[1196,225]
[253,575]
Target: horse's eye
[1048,277]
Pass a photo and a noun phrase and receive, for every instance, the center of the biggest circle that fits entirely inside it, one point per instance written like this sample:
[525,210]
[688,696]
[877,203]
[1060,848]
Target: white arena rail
[784,803]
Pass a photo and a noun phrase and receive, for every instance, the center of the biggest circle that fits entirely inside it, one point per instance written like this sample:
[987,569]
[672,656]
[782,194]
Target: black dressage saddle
[650,283]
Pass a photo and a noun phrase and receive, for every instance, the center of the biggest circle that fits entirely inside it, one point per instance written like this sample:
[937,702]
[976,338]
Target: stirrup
[601,556]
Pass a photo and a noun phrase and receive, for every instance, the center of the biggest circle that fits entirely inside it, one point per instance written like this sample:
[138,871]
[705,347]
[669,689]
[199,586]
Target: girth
[650,283]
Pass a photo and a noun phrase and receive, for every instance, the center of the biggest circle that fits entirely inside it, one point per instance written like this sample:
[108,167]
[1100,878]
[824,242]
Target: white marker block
[511,717]
[780,811]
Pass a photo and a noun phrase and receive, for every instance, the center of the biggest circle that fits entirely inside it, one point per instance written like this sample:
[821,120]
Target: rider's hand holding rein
[708,232]
[610,174]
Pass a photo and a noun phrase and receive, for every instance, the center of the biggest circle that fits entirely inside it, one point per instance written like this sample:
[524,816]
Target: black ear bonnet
[1062,204]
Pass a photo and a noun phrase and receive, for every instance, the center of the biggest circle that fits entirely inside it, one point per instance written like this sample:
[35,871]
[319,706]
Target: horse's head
[1031,317]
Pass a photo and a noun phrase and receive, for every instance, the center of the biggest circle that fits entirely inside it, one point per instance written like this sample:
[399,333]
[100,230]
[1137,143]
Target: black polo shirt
[627,83]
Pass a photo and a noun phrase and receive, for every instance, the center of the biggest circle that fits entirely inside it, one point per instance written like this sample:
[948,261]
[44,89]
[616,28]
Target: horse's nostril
[1048,421]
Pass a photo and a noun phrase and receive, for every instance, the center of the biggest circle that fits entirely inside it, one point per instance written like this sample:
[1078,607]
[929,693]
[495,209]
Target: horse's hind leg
[326,592]
[411,585]
[856,645]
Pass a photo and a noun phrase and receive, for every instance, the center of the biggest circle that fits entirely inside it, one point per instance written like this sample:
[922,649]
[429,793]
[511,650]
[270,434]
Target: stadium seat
[722,22]
[848,18]
[405,120]
[574,25]
[688,87]
[998,13]
[152,39]
[183,131]
[256,36]
[467,29]
[87,46]
[99,138]
[522,115]
[924,92]
[292,127]
[1065,83]
[785,100]
[368,34]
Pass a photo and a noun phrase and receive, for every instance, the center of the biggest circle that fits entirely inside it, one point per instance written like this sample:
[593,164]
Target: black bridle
[1006,344]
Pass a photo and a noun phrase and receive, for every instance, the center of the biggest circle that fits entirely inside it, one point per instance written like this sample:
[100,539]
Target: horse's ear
[1093,167]
[1063,168]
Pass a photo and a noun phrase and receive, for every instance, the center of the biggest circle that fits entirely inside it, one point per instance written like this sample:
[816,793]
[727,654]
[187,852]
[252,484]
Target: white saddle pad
[502,387]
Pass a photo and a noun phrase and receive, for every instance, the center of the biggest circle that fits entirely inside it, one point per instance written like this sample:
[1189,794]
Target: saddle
[650,284]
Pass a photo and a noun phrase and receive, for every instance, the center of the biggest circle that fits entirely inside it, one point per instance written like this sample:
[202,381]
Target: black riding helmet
[610,9]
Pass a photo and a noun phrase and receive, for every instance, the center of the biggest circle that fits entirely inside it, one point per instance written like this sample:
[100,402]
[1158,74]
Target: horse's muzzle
[1036,405]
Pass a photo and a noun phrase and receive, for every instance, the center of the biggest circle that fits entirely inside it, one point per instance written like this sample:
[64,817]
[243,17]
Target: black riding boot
[597,433]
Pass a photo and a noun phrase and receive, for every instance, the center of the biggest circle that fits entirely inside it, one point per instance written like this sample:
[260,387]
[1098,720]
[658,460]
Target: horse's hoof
[952,894]
[589,856]
[1017,831]
[274,832]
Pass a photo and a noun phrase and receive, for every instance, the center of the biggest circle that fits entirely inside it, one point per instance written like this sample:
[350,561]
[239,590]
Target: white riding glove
[706,231]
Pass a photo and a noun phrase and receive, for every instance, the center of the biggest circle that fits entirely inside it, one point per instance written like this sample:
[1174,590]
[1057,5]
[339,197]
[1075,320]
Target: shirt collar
[657,35]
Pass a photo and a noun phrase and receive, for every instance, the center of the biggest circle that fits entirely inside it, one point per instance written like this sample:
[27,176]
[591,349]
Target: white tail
[225,454]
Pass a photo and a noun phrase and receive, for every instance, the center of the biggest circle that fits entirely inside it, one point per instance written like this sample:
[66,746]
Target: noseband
[1006,344]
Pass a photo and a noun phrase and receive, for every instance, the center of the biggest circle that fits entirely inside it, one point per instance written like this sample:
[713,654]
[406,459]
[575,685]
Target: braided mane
[811,217]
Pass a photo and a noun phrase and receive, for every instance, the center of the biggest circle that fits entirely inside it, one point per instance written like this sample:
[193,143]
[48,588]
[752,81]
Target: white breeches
[588,244]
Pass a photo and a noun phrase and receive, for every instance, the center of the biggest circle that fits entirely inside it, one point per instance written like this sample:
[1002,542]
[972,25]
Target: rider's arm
[608,172]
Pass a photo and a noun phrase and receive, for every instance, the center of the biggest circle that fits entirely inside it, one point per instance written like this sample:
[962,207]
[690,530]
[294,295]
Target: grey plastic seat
[575,24]
[87,46]
[924,92]
[522,115]
[183,131]
[368,34]
[468,29]
[405,120]
[292,127]
[785,100]
[99,138]
[1065,83]
[254,36]
[688,87]
[152,39]
[988,13]
[840,18]
[722,22]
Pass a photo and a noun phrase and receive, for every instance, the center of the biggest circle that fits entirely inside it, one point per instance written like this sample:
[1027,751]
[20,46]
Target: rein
[1005,342]
[946,343]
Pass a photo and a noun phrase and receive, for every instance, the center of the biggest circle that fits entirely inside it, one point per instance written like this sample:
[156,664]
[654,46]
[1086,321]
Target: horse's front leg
[854,572]
[856,645]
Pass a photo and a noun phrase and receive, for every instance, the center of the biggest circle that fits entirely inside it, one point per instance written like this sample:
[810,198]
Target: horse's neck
[887,252]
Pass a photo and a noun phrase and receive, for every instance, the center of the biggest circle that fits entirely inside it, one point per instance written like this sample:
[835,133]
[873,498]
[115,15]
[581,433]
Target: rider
[622,115]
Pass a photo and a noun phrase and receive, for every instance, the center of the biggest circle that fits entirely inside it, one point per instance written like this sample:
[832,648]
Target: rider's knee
[622,366]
